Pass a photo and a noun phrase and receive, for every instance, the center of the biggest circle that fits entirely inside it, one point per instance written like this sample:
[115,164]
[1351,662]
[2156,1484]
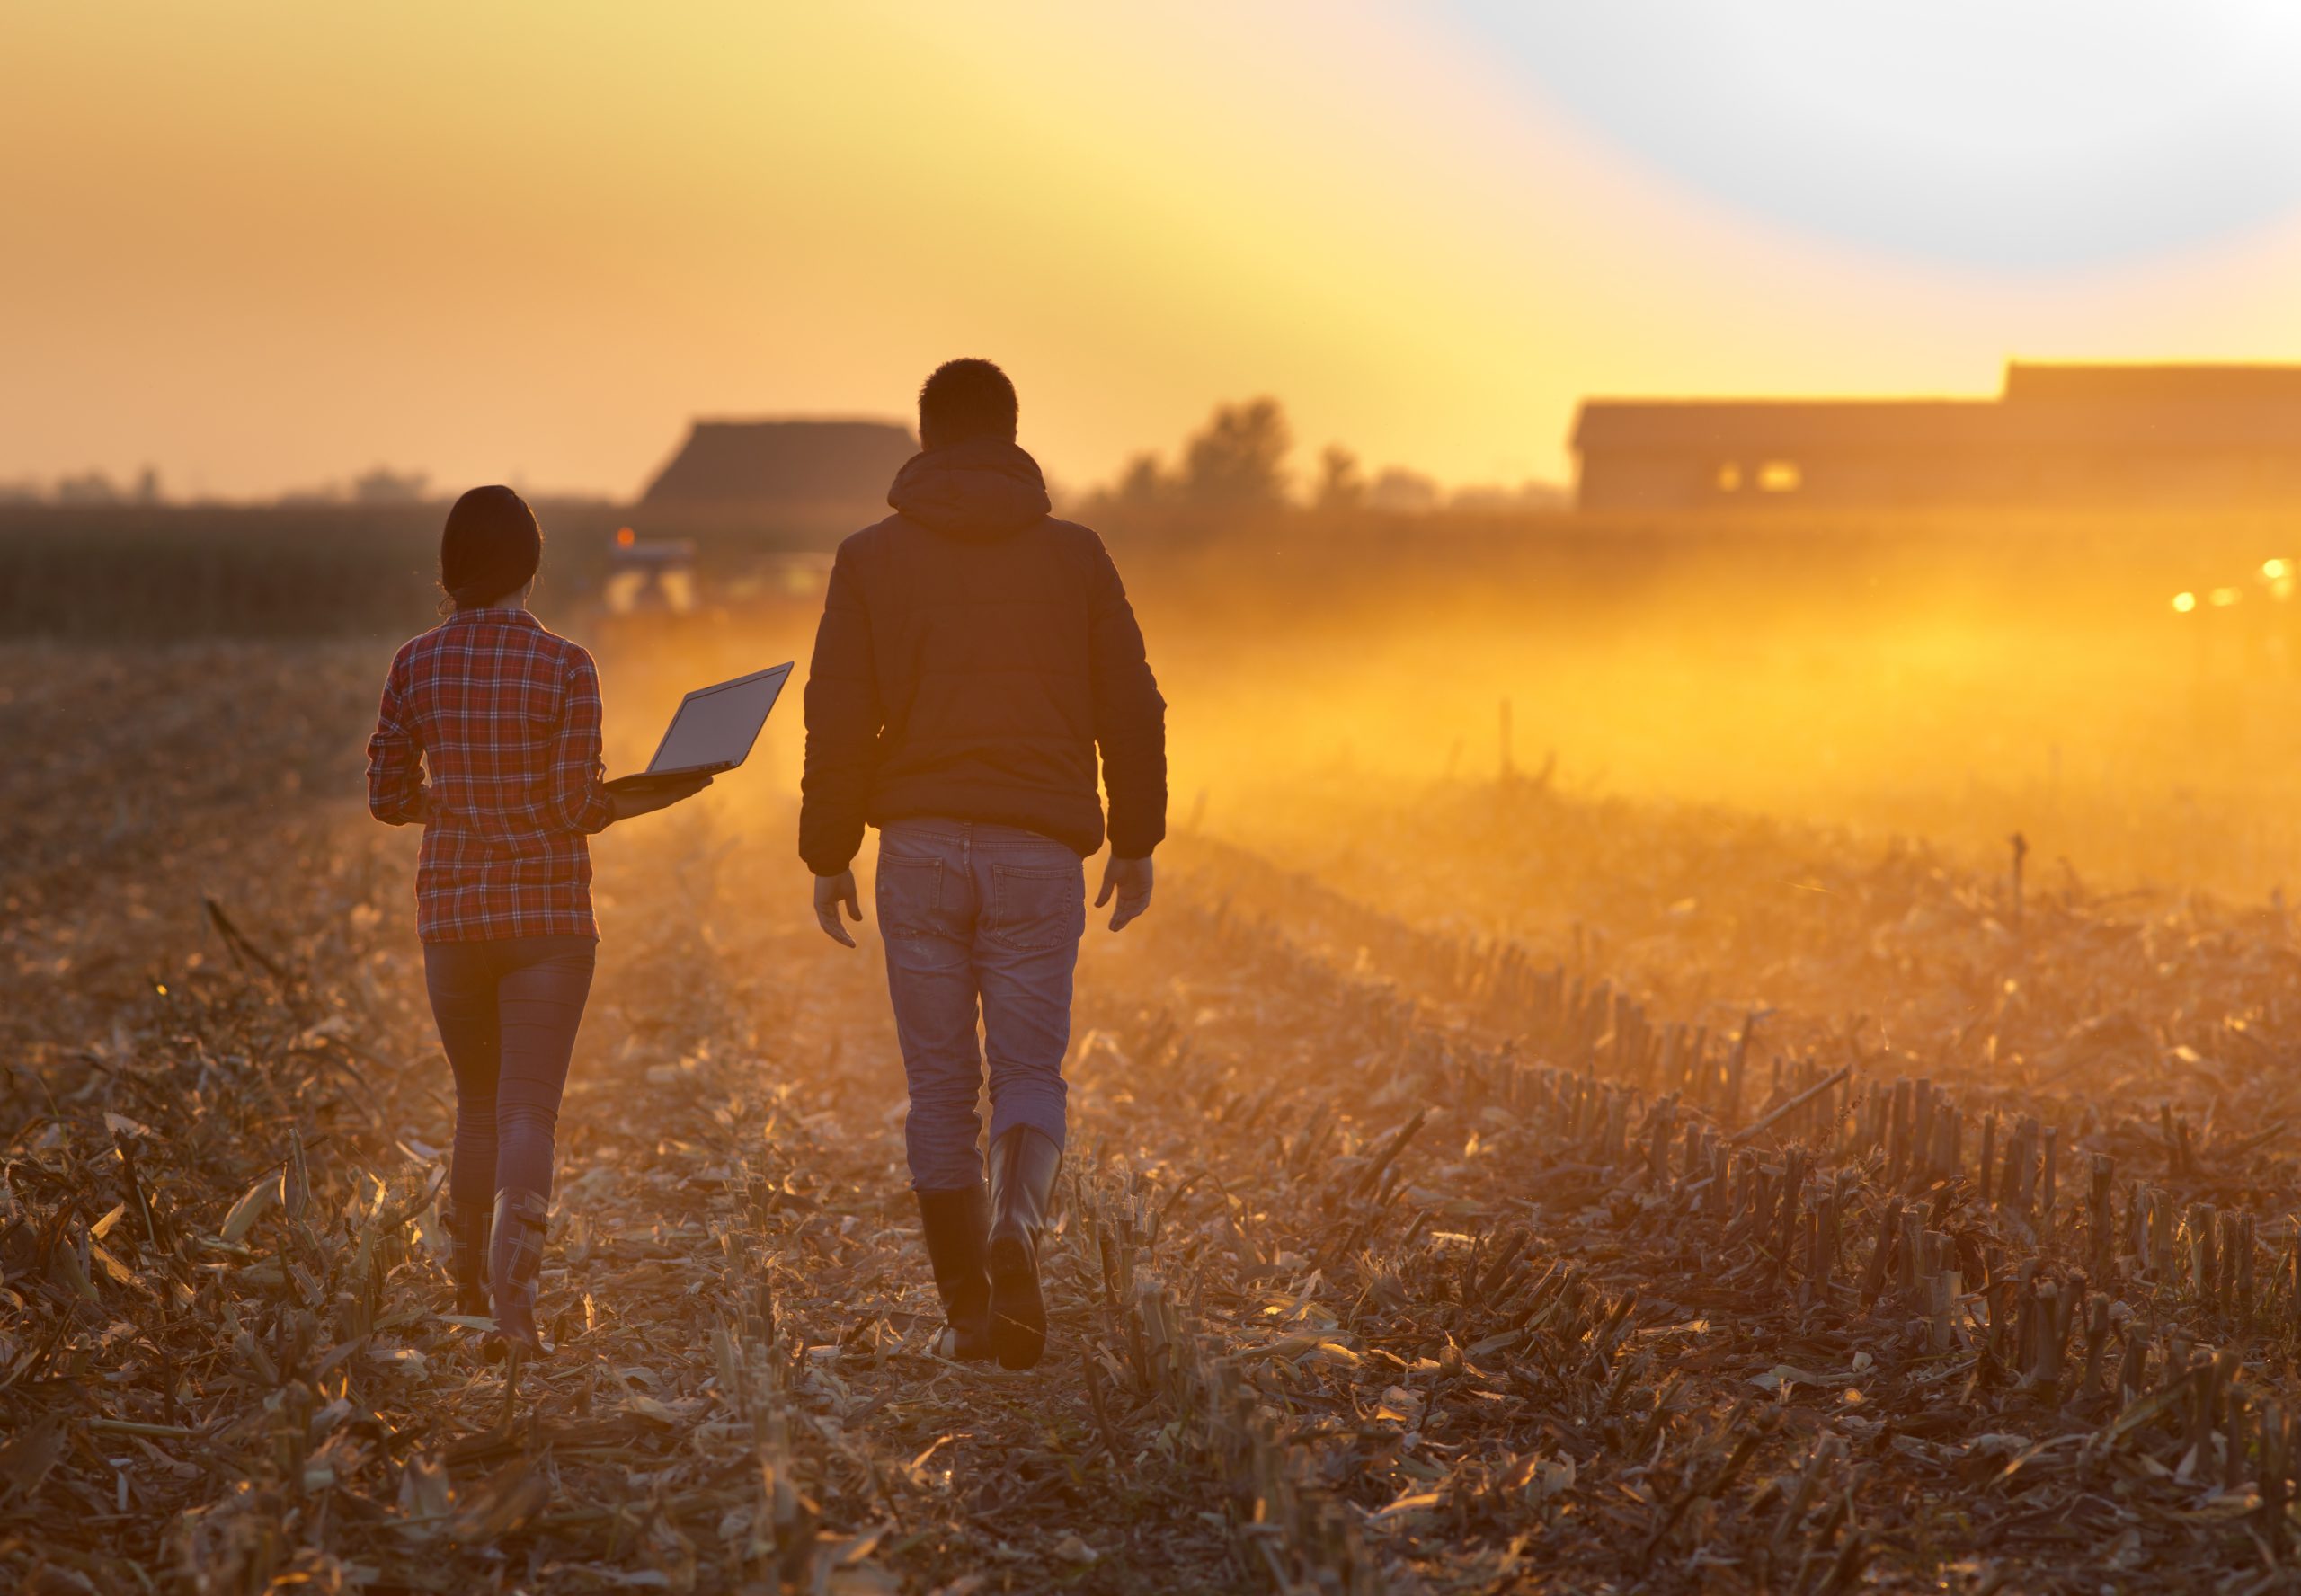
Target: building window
[1729,477]
[1778,476]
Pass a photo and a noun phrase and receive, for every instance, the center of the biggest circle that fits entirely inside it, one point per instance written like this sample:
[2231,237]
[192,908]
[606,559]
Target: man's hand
[830,891]
[1130,879]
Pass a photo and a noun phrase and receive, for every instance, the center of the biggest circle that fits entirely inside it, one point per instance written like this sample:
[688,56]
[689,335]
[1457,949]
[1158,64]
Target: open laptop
[714,730]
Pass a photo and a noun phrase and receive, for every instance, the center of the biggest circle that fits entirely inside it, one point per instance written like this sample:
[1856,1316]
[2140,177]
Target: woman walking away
[488,738]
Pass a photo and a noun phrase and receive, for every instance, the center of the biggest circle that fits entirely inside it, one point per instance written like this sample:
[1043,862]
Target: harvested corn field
[1664,1200]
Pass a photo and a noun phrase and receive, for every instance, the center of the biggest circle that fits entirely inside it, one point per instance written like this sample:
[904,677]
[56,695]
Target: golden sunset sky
[265,246]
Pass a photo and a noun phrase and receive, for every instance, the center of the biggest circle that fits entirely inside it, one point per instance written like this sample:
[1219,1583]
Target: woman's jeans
[507,1011]
[975,914]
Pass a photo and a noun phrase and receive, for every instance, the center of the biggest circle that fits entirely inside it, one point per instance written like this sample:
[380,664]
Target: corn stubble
[1396,1255]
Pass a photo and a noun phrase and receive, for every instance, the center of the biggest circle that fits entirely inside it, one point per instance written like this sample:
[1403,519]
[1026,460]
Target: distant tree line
[381,485]
[88,487]
[1237,465]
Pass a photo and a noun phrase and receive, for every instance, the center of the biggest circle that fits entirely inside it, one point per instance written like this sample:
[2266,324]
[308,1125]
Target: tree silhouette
[1399,490]
[1340,485]
[1142,485]
[1238,461]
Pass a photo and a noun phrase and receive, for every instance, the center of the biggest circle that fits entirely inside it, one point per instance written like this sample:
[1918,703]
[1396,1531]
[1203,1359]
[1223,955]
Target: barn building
[2059,437]
[795,475]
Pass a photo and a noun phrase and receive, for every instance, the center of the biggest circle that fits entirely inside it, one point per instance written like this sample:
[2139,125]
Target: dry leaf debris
[1397,1254]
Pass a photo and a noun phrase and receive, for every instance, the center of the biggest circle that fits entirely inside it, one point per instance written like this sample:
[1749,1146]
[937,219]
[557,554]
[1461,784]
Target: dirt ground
[1504,1191]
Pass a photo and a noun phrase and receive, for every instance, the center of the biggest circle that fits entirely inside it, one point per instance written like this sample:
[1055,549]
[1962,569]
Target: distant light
[2185,602]
[1779,476]
[1729,477]
[161,987]
[2273,569]
[625,538]
[2222,598]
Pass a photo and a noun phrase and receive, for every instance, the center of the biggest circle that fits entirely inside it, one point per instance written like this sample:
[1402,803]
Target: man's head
[966,400]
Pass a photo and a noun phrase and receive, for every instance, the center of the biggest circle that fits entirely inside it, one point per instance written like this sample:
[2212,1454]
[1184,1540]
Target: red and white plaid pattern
[504,716]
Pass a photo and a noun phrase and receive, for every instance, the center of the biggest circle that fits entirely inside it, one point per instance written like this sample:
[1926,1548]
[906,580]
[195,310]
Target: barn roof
[2189,407]
[1743,424]
[2225,383]
[731,464]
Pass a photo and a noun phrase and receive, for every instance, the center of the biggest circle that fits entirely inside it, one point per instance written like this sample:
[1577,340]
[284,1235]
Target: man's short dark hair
[966,400]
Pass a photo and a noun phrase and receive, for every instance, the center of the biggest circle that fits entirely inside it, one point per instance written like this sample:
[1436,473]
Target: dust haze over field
[1627,997]
[1951,681]
[1393,1120]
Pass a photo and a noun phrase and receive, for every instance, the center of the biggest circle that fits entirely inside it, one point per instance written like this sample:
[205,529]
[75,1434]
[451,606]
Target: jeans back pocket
[1034,907]
[909,893]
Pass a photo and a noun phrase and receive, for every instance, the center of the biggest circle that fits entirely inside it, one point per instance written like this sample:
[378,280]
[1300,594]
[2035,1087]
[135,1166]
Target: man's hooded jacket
[974,654]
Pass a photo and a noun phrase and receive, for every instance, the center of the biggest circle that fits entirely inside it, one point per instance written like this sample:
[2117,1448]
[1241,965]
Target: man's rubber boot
[469,1224]
[957,1225]
[514,1262]
[1023,1163]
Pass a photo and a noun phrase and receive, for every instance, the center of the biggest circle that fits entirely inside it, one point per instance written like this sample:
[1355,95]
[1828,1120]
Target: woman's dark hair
[489,546]
[964,400]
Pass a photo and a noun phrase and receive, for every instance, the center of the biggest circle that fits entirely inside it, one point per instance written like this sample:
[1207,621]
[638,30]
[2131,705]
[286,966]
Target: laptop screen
[716,726]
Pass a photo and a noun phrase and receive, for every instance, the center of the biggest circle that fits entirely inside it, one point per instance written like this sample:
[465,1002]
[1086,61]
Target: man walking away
[975,655]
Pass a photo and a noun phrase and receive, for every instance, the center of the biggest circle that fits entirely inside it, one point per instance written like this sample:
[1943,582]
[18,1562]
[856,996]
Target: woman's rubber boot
[956,1225]
[468,1226]
[1022,1162]
[514,1263]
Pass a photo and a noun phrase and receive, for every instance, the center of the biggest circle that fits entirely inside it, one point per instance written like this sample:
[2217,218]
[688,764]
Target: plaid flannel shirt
[504,716]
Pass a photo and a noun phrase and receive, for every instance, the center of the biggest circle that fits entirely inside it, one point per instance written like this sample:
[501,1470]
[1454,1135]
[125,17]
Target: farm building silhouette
[2059,437]
[789,475]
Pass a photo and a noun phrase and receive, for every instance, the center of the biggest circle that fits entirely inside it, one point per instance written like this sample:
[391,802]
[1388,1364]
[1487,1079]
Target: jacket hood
[980,491]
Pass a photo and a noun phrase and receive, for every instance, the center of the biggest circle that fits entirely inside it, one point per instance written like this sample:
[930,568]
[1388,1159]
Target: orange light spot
[625,538]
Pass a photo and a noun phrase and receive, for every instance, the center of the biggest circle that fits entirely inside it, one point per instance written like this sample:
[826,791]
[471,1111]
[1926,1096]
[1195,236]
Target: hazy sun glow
[2025,138]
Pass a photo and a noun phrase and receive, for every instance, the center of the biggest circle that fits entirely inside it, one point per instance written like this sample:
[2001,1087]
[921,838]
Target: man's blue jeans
[976,915]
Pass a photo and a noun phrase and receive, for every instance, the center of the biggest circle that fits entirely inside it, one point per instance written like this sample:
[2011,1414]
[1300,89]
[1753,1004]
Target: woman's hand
[629,801]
